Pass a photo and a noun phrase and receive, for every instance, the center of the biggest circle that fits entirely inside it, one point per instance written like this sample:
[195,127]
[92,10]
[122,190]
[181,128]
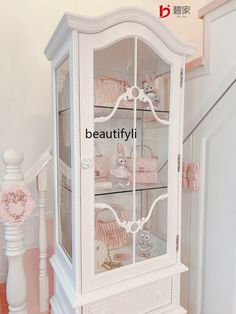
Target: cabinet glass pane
[153,75]
[64,156]
[112,76]
[131,138]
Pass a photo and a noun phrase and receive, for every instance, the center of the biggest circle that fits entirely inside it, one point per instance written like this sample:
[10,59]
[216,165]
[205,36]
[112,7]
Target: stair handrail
[38,166]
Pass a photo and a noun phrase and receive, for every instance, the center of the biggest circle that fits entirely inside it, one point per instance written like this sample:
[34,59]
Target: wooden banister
[16,288]
[43,272]
[40,164]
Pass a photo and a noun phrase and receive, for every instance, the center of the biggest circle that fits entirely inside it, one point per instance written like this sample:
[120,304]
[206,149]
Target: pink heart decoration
[16,204]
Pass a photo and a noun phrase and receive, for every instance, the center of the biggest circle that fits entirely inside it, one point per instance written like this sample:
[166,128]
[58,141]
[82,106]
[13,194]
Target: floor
[3,300]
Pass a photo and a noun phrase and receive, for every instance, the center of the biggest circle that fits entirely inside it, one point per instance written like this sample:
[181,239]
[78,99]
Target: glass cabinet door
[63,108]
[131,151]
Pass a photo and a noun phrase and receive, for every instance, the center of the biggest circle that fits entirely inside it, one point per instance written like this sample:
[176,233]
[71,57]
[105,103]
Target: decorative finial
[12,157]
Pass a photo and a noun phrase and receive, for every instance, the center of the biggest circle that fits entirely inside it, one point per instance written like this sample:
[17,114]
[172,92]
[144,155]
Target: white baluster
[43,273]
[14,236]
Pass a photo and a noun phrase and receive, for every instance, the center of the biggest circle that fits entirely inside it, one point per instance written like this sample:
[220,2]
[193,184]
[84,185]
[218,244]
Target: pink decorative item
[146,168]
[184,175]
[16,204]
[193,172]
[121,172]
[108,230]
[190,176]
[107,90]
[102,164]
[122,257]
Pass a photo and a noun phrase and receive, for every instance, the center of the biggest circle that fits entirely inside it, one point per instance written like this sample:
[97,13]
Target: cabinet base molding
[117,288]
[159,297]
[179,310]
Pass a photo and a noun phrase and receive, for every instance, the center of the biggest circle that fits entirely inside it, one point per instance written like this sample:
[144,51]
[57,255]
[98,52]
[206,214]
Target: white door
[212,263]
[128,212]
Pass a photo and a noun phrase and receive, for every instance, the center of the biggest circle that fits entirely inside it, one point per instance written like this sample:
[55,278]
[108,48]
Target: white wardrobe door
[212,285]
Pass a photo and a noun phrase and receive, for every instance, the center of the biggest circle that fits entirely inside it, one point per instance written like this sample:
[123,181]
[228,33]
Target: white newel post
[43,273]
[14,236]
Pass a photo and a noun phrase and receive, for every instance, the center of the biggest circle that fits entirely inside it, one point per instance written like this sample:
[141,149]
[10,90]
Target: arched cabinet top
[92,25]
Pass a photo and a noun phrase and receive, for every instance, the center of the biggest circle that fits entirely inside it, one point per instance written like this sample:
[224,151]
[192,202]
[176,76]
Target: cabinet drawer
[138,301]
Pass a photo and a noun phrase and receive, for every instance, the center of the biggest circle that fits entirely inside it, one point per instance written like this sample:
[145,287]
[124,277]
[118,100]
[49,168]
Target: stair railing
[16,287]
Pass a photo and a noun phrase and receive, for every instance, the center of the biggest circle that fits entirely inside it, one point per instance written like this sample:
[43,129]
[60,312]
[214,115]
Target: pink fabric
[16,204]
[107,91]
[109,231]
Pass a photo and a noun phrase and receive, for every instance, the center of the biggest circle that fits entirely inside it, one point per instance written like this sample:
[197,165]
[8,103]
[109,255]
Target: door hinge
[177,243]
[181,77]
[178,162]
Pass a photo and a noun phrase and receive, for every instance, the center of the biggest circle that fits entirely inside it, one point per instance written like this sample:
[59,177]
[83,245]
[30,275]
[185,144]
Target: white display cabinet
[118,90]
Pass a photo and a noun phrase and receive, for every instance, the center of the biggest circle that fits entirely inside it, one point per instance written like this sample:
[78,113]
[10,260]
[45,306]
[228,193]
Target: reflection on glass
[64,153]
[130,165]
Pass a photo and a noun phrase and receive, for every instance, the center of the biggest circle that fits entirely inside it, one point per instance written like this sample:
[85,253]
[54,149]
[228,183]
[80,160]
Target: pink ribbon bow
[190,172]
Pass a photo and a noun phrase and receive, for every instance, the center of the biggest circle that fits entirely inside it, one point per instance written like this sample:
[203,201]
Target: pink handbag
[102,164]
[107,90]
[108,230]
[146,168]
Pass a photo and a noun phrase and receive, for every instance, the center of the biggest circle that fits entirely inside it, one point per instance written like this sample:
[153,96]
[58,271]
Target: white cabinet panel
[213,212]
[139,301]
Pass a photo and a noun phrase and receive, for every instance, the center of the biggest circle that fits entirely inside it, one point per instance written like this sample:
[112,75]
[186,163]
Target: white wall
[201,92]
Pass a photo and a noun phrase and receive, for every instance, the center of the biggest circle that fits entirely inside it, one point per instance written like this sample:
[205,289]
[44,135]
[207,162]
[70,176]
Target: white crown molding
[91,25]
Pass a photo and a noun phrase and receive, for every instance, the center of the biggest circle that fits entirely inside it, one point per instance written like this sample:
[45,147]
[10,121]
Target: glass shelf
[128,113]
[138,109]
[138,188]
[158,249]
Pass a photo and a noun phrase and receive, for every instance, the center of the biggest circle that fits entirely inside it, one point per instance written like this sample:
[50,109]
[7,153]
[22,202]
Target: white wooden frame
[74,287]
[60,260]
[88,43]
